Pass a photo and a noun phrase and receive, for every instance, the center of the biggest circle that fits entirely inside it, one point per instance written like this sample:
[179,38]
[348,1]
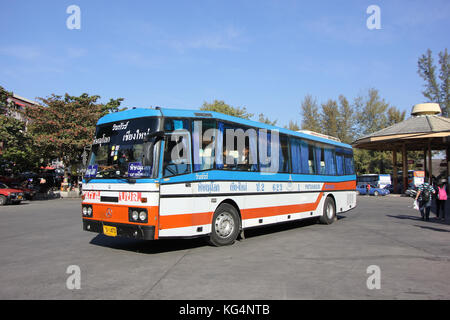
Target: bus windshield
[120,150]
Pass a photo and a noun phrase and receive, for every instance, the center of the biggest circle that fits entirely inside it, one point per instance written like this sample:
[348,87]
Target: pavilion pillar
[430,168]
[394,169]
[425,166]
[405,168]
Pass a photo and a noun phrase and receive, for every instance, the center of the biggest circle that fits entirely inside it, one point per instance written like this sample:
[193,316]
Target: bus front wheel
[329,211]
[225,226]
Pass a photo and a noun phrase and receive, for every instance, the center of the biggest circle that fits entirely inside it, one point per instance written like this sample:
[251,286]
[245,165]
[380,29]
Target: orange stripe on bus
[345,185]
[195,219]
[279,210]
[185,220]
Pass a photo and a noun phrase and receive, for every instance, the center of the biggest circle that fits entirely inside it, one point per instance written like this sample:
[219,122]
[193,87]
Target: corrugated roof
[418,124]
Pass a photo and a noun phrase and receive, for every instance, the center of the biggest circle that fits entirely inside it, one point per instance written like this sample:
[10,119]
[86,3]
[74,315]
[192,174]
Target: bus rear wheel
[225,226]
[329,211]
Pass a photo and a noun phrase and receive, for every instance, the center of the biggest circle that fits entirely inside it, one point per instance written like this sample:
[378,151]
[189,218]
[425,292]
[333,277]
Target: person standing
[425,195]
[441,198]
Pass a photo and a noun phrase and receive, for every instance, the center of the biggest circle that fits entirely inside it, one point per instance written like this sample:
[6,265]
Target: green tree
[293,125]
[310,114]
[435,91]
[329,118]
[16,153]
[222,107]
[4,105]
[395,116]
[371,113]
[62,126]
[346,121]
[265,120]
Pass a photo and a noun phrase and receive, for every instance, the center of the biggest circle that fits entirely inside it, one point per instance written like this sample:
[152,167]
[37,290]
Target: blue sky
[264,55]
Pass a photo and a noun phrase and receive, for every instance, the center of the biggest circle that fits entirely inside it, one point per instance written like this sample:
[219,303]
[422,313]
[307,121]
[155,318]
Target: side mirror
[149,141]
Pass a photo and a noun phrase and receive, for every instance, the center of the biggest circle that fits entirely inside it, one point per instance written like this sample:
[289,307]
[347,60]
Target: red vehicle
[8,195]
[27,192]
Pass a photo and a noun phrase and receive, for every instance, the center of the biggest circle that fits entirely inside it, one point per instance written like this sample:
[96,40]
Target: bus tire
[329,211]
[225,226]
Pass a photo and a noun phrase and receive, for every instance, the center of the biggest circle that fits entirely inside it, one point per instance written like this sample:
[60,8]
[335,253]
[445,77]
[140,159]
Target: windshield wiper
[112,173]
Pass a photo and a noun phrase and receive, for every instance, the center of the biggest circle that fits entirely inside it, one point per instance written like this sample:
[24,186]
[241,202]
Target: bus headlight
[143,215]
[138,215]
[87,210]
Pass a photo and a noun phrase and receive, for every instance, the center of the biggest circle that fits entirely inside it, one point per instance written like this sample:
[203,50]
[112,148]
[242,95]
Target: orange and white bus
[163,173]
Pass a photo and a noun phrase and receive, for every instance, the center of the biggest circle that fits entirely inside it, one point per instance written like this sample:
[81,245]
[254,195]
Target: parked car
[411,191]
[374,191]
[9,195]
[28,192]
[390,188]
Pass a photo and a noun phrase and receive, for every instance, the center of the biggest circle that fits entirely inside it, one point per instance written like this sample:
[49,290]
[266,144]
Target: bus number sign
[130,196]
[92,195]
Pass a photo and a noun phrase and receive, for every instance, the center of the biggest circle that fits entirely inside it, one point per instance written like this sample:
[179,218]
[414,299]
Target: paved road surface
[40,239]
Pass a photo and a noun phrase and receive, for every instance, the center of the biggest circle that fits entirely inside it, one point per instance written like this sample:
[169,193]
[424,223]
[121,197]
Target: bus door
[175,192]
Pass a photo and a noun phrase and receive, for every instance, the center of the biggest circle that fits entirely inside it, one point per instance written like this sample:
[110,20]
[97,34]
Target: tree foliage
[310,114]
[266,120]
[293,125]
[329,118]
[16,143]
[222,107]
[349,121]
[436,90]
[62,126]
[346,121]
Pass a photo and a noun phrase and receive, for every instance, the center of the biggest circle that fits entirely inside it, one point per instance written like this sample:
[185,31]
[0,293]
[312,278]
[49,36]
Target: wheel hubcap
[224,224]
[330,211]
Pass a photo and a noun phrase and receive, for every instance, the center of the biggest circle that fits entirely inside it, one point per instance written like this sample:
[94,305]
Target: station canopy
[425,129]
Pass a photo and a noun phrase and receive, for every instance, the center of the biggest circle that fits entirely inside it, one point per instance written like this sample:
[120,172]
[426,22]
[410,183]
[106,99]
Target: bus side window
[320,160]
[203,140]
[176,155]
[311,163]
[284,166]
[339,164]
[348,165]
[238,147]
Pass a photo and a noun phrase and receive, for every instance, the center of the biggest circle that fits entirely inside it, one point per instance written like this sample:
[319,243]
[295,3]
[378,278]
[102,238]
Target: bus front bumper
[139,232]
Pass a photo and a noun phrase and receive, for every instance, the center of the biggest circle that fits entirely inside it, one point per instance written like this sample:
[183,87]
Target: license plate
[110,231]
[19,197]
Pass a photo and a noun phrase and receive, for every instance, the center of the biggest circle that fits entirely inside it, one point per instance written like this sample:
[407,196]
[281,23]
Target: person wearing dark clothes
[425,196]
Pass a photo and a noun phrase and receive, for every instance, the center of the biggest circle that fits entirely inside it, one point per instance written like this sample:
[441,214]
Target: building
[15,110]
[17,106]
[425,131]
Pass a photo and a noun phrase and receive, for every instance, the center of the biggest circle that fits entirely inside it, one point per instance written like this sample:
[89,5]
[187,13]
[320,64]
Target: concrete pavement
[39,240]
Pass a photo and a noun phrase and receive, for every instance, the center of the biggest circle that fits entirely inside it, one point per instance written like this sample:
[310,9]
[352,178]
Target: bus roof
[183,113]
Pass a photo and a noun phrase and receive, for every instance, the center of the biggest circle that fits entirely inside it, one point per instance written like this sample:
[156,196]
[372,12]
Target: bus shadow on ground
[148,247]
[169,245]
[280,227]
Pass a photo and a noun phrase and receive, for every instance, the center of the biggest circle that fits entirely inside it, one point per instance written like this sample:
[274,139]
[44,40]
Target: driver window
[176,154]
